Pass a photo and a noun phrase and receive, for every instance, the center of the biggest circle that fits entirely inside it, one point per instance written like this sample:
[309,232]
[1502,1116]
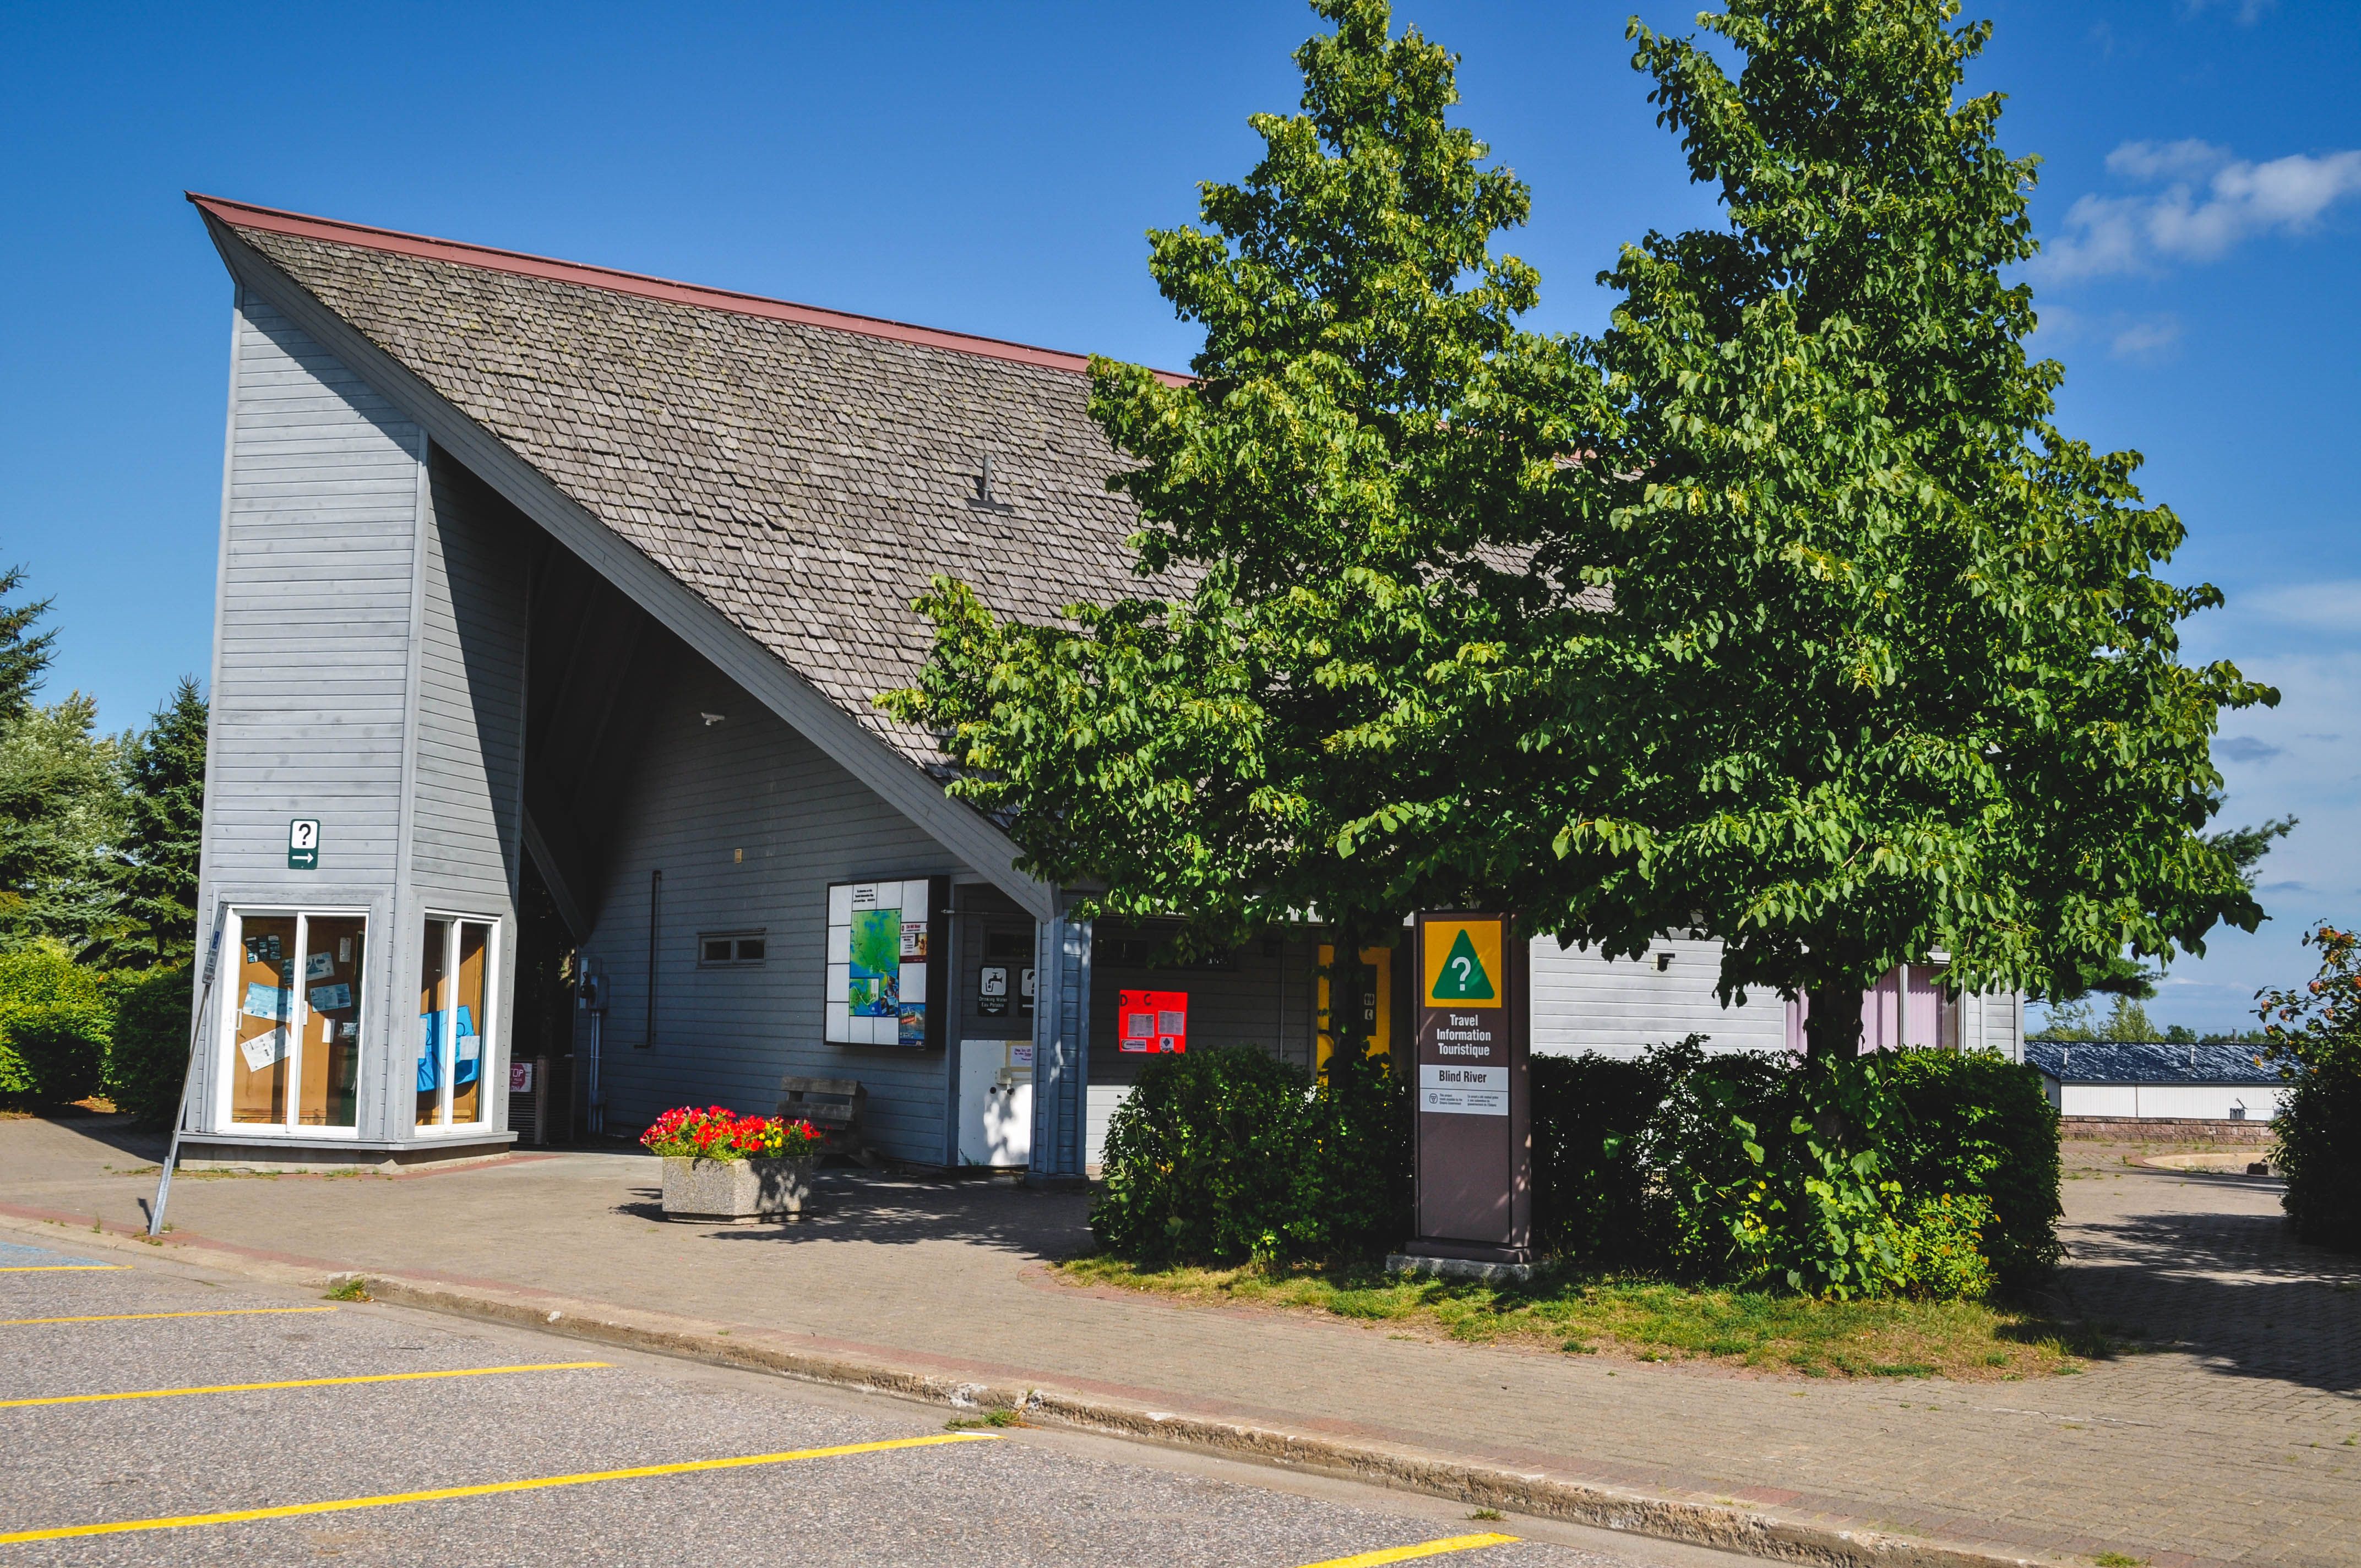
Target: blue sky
[992,169]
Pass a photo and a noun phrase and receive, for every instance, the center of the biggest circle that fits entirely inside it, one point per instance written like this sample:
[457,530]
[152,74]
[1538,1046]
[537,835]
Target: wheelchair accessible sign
[304,844]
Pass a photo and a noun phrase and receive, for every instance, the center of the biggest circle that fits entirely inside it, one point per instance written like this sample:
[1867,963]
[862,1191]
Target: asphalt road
[531,1437]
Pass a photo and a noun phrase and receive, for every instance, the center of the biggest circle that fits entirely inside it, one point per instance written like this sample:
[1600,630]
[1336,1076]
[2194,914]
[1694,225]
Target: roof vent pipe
[982,499]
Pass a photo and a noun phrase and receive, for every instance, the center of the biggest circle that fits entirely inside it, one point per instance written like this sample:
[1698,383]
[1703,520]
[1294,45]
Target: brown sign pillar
[1475,1120]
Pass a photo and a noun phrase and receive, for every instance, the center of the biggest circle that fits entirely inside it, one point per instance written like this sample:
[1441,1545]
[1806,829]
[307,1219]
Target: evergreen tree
[1890,667]
[61,811]
[155,860]
[25,653]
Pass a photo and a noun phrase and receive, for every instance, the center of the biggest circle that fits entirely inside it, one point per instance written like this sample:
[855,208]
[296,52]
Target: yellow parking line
[143,1316]
[302,1382]
[1390,1554]
[441,1493]
[57,1268]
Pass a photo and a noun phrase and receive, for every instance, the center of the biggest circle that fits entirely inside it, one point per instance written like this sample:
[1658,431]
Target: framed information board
[888,976]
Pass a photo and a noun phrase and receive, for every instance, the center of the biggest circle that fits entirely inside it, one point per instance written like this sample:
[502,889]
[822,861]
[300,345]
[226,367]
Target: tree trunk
[1347,986]
[1832,1023]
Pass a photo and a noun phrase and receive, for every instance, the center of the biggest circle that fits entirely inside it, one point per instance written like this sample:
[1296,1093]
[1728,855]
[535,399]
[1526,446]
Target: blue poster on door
[430,1050]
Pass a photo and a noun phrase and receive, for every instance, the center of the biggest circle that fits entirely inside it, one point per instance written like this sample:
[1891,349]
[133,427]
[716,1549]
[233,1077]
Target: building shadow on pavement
[2235,1290]
[887,1210]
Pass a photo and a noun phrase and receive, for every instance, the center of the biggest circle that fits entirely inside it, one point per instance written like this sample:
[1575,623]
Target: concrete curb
[1724,1527]
[1729,1529]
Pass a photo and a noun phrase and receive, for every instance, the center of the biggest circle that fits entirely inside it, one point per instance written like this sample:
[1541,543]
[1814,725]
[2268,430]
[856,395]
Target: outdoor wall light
[712,718]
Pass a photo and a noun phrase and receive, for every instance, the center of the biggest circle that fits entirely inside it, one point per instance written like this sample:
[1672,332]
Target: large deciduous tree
[1891,665]
[1338,513]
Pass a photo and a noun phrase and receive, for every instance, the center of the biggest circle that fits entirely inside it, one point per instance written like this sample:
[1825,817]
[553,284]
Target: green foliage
[1977,1126]
[1940,1253]
[55,1020]
[1342,502]
[1591,1196]
[1889,668]
[1912,1173]
[156,852]
[147,1054]
[25,653]
[1354,1194]
[61,811]
[1229,1154]
[1754,1169]
[2315,1034]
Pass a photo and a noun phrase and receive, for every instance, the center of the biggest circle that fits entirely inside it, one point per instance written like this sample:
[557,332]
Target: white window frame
[298,1022]
[486,1028]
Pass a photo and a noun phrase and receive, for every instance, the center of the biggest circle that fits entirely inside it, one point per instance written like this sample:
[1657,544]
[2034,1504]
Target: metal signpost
[189,1075]
[1475,1135]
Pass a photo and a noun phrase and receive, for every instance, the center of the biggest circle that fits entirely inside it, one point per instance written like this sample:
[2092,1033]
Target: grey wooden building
[552,606]
[557,599]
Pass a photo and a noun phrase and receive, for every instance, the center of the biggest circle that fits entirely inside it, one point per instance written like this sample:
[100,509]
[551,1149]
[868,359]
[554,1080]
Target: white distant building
[2112,1082]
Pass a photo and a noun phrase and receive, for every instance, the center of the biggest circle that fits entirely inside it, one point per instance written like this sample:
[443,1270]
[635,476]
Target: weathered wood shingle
[806,481]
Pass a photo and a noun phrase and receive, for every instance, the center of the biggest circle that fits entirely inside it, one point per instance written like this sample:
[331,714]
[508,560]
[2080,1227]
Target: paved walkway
[2237,1441]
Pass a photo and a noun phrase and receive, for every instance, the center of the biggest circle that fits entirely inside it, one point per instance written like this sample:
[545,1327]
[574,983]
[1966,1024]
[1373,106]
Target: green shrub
[2314,1030]
[1354,1190]
[1941,1252]
[55,1017]
[148,1059]
[1590,1192]
[1976,1124]
[1203,1158]
[1229,1154]
[2318,1138]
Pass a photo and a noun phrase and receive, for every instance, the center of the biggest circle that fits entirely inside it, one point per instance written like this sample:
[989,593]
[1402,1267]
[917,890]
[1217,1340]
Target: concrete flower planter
[736,1189]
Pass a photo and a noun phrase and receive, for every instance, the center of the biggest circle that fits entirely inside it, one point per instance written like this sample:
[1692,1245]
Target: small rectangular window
[730,950]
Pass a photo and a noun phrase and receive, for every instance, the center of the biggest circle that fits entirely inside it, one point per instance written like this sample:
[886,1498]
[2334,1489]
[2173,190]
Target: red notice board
[1153,1022]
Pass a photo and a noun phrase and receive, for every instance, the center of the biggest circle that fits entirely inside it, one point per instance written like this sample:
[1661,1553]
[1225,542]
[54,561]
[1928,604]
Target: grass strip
[1590,1312]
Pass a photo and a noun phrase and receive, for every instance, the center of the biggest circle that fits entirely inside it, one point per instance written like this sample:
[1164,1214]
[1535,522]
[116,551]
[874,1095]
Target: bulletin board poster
[887,981]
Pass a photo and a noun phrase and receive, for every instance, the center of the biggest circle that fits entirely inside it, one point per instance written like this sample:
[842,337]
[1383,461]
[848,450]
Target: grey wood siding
[465,831]
[312,631]
[700,794]
[313,626]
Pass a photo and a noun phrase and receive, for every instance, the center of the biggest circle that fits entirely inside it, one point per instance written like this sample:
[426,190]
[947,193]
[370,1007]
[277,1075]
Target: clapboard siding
[1583,1002]
[312,636]
[726,1036]
[464,797]
[313,628]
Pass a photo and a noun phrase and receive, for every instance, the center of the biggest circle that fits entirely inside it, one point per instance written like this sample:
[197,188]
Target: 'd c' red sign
[1153,1022]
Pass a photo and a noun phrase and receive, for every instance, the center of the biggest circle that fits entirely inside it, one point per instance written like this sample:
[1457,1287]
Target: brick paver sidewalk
[2238,1440]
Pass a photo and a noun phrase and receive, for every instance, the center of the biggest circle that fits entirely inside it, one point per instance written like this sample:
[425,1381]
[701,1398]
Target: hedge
[1927,1172]
[2318,1149]
[148,1059]
[55,1019]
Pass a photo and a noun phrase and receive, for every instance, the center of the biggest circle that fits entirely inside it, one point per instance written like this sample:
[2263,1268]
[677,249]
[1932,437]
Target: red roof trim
[243,215]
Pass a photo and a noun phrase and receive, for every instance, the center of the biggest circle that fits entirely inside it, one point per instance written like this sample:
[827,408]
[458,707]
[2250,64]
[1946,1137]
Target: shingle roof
[805,473]
[2112,1062]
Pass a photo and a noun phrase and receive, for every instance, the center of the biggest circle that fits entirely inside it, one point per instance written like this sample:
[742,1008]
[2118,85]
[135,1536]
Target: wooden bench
[832,1105]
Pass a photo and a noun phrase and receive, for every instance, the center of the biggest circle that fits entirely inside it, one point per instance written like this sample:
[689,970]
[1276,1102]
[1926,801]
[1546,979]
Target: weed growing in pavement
[1488,1513]
[2119,1559]
[989,1419]
[355,1288]
[1578,1312]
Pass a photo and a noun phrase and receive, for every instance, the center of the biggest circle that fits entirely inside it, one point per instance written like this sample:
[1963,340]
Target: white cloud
[2149,339]
[2208,202]
[2332,605]
[2249,11]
